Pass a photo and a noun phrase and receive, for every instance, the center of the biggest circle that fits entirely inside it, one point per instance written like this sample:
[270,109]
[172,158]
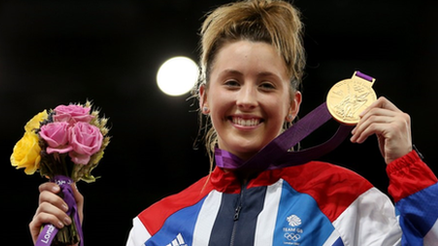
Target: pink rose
[72,114]
[56,135]
[86,140]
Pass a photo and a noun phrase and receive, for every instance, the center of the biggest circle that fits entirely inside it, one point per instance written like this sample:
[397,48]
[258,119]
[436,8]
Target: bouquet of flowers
[64,144]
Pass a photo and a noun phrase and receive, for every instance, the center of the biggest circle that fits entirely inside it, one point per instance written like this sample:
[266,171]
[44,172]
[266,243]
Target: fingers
[50,213]
[390,124]
[378,121]
[373,119]
[381,102]
[51,210]
[49,186]
[48,193]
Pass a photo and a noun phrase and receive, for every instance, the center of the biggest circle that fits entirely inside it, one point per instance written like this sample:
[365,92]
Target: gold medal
[350,97]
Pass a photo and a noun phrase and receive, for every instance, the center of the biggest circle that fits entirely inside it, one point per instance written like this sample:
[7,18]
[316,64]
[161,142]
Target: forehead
[247,56]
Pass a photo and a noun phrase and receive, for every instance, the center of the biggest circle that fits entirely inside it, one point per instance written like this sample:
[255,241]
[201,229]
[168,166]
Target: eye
[231,83]
[267,85]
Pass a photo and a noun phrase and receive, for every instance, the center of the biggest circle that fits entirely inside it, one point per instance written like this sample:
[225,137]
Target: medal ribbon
[276,154]
[49,231]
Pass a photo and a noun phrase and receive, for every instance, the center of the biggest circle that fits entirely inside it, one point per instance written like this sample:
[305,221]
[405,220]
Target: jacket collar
[228,182]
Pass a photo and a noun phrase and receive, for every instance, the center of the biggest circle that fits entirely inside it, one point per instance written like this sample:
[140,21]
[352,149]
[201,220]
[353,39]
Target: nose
[247,97]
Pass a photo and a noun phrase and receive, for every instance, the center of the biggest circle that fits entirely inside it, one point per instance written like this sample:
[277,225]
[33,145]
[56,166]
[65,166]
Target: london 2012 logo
[293,232]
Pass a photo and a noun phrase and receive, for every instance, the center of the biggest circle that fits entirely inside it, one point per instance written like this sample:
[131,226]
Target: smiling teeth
[248,122]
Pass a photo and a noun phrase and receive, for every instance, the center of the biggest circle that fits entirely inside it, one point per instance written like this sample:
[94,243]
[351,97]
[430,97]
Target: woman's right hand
[52,209]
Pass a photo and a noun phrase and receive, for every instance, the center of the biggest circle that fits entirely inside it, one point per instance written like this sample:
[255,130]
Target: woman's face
[248,96]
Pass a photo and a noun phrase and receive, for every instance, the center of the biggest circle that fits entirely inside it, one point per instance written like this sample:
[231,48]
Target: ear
[294,106]
[202,97]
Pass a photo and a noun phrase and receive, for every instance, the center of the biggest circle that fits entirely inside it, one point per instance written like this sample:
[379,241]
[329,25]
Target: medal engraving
[349,97]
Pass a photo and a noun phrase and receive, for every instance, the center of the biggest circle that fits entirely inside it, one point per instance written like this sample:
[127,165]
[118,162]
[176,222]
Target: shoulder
[323,175]
[334,188]
[154,216]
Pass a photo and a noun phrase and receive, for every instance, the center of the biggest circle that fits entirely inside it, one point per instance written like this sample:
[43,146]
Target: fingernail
[67,220]
[60,224]
[65,207]
[55,188]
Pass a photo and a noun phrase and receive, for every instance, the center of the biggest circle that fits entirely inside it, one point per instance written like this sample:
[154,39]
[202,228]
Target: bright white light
[177,76]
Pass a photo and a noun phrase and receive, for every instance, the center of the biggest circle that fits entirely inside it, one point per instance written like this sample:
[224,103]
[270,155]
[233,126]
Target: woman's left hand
[390,124]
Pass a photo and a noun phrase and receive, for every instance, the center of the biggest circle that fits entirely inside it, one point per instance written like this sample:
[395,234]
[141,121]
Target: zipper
[237,214]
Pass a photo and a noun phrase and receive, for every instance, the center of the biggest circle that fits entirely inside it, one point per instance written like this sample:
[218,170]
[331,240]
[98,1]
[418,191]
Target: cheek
[279,107]
[215,110]
[219,103]
[278,114]
[219,112]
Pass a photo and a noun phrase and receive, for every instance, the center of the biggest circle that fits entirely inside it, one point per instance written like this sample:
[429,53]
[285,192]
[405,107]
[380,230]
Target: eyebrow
[236,72]
[231,71]
[268,74]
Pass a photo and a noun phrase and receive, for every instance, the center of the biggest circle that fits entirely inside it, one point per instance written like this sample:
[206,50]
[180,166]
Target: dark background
[55,51]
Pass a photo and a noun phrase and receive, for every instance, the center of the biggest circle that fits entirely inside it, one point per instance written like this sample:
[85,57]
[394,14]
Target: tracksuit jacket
[312,204]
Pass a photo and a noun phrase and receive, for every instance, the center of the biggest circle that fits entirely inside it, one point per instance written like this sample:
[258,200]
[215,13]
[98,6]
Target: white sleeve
[370,220]
[138,234]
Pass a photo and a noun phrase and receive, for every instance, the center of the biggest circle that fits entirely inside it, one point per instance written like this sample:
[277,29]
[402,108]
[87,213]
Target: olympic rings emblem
[292,236]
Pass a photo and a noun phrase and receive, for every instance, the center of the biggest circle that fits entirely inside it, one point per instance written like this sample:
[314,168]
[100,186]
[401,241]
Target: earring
[205,110]
[290,117]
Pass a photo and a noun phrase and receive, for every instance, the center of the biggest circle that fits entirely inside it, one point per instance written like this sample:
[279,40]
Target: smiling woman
[251,96]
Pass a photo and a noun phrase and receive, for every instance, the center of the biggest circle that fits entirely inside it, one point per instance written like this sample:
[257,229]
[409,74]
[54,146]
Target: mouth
[245,122]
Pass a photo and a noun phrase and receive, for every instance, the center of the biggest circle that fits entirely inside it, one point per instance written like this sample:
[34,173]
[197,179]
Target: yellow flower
[34,123]
[26,153]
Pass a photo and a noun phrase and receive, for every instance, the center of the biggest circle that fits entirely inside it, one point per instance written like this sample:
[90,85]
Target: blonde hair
[271,21]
